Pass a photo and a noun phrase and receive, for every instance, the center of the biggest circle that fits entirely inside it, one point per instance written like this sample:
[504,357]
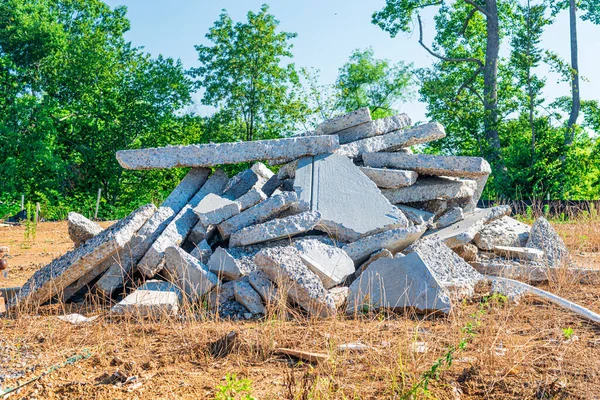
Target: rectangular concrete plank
[188,273]
[274,229]
[431,188]
[374,128]
[390,178]
[341,122]
[152,299]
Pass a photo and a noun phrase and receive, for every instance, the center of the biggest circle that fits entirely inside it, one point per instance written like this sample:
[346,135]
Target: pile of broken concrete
[352,221]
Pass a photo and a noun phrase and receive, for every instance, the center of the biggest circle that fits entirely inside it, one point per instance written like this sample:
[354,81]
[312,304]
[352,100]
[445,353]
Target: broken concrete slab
[274,229]
[451,216]
[374,128]
[214,209]
[188,273]
[331,264]
[200,233]
[431,188]
[257,214]
[202,251]
[227,266]
[81,229]
[467,251]
[390,178]
[534,272]
[520,253]
[63,271]
[393,141]
[263,286]
[180,226]
[415,215]
[398,284]
[465,231]
[544,237]
[285,267]
[241,183]
[272,185]
[341,122]
[128,258]
[451,271]
[327,181]
[152,299]
[394,240]
[339,295]
[248,297]
[383,253]
[207,155]
[251,198]
[504,231]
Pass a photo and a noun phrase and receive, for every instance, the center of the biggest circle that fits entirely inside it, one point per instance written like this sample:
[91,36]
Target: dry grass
[517,351]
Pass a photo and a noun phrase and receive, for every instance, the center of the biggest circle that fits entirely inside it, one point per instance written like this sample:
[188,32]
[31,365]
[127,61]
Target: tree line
[73,91]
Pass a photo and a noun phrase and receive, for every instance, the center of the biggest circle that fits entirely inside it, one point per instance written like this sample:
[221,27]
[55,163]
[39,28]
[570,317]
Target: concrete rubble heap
[352,222]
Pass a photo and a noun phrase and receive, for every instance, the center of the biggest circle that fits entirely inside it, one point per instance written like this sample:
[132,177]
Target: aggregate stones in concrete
[544,237]
[504,231]
[188,273]
[153,299]
[81,229]
[331,264]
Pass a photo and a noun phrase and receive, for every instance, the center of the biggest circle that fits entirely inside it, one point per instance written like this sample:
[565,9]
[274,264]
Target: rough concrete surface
[333,125]
[415,215]
[544,237]
[431,188]
[374,128]
[451,216]
[390,178]
[276,229]
[331,264]
[81,229]
[227,266]
[245,294]
[152,299]
[504,231]
[188,273]
[520,253]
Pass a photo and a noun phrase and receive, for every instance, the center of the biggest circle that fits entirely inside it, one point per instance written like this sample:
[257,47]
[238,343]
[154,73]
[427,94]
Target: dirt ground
[532,350]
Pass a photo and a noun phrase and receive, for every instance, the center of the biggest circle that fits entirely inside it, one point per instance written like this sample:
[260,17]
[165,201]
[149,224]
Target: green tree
[365,81]
[242,76]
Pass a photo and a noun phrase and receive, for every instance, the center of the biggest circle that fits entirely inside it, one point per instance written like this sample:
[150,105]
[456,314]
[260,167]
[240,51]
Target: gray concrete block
[272,185]
[276,229]
[207,155]
[393,141]
[374,128]
[331,264]
[227,266]
[351,205]
[257,214]
[338,295]
[415,215]
[520,253]
[248,297]
[390,178]
[451,216]
[50,280]
[263,286]
[394,240]
[504,231]
[129,257]
[214,209]
[200,233]
[81,229]
[431,188]
[544,237]
[202,251]
[152,299]
[251,198]
[287,171]
[188,273]
[284,267]
[383,253]
[398,284]
[451,271]
[241,183]
[345,121]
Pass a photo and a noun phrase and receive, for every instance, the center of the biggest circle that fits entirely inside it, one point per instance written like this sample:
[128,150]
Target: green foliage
[234,388]
[567,333]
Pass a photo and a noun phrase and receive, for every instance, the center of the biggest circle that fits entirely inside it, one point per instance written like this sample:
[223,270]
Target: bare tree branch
[468,83]
[467,59]
[478,7]
[467,20]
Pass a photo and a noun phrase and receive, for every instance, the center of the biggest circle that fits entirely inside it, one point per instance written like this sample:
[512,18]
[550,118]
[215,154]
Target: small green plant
[529,212]
[30,227]
[546,210]
[235,388]
[567,333]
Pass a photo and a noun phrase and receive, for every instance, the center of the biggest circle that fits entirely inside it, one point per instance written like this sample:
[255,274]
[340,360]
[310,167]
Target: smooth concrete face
[245,294]
[153,299]
[226,265]
[339,123]
[415,215]
[520,253]
[350,204]
[214,209]
[450,217]
[263,286]
[397,284]
[208,155]
[188,273]
[331,264]
[390,178]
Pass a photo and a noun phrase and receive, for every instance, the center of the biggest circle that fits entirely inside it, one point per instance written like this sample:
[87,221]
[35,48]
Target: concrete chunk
[345,121]
[207,155]
[467,251]
[214,209]
[544,237]
[63,271]
[252,198]
[520,253]
[351,205]
[390,178]
[188,273]
[383,253]
[276,229]
[200,233]
[393,141]
[504,231]
[331,264]
[263,286]
[284,267]
[248,297]
[397,284]
[241,183]
[202,251]
[226,265]
[415,215]
[374,128]
[152,299]
[394,240]
[81,229]
[338,295]
[450,217]
[431,188]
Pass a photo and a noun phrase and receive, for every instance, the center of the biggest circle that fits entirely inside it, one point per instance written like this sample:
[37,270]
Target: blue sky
[328,31]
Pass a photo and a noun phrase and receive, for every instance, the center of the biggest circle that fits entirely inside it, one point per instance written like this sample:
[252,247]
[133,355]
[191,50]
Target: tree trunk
[490,82]
[576,102]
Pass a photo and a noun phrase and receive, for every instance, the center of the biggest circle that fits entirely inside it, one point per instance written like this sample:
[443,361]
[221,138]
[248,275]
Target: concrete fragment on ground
[276,229]
[520,253]
[227,266]
[127,259]
[263,286]
[504,231]
[63,271]
[465,231]
[202,251]
[394,240]
[467,251]
[208,155]
[451,271]
[431,188]
[339,295]
[451,216]
[285,267]
[188,273]
[327,182]
[248,297]
[544,237]
[81,229]
[257,214]
[374,128]
[214,209]
[251,198]
[397,284]
[180,226]
[513,293]
[393,141]
[390,178]
[331,264]
[339,123]
[152,299]
[534,272]
[415,215]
